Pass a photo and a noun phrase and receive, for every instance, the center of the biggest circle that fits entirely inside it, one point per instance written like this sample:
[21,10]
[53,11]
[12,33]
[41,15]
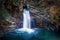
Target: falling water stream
[26,19]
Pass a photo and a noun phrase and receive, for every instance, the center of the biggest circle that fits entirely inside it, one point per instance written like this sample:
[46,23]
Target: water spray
[26,21]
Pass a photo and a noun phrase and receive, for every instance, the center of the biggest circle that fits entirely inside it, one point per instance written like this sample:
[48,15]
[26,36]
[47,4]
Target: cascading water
[26,19]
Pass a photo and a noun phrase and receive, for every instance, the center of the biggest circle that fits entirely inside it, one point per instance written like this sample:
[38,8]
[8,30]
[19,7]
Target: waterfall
[26,19]
[26,22]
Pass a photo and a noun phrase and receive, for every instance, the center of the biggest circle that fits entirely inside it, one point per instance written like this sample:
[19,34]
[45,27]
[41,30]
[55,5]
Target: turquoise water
[38,34]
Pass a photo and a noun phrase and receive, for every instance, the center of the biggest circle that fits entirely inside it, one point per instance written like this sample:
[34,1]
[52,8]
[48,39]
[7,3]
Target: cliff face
[45,12]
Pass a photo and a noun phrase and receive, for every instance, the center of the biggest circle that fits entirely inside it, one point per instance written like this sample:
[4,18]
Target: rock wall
[45,12]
